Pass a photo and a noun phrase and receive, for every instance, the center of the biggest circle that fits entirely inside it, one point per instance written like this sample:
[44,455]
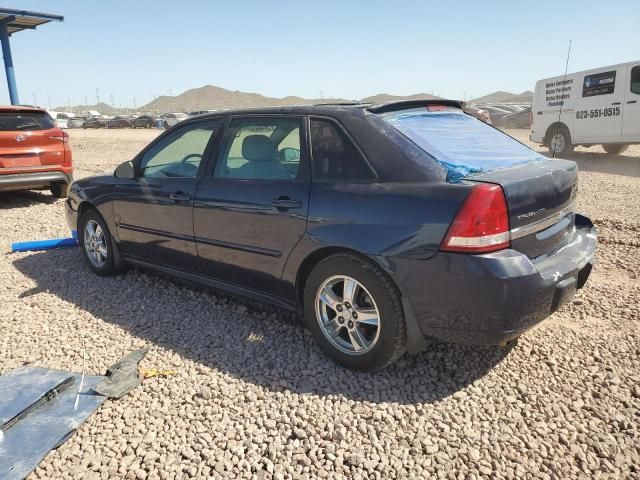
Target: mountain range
[211,97]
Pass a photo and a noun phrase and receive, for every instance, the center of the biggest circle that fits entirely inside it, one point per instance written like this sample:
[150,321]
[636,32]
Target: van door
[631,115]
[598,115]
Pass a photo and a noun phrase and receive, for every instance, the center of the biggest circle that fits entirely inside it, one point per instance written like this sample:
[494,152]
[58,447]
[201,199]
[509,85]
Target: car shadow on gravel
[252,342]
[25,198]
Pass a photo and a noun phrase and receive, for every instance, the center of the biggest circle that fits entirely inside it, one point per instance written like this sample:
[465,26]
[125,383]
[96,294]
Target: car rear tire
[615,148]
[98,248]
[363,328]
[559,141]
[512,123]
[59,190]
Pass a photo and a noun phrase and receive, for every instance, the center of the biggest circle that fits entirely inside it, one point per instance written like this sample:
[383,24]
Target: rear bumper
[26,181]
[493,298]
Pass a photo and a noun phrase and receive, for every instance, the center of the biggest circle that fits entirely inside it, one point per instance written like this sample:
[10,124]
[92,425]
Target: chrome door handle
[615,103]
[179,197]
[632,101]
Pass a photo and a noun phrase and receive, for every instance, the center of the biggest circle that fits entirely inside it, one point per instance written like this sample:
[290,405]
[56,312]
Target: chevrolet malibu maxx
[384,225]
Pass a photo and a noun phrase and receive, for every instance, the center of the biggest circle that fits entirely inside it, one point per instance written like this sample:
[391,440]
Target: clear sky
[349,49]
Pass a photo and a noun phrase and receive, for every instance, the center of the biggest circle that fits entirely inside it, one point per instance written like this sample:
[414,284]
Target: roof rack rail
[405,104]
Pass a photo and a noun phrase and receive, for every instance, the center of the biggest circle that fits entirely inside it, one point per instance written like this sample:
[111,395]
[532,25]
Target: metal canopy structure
[13,21]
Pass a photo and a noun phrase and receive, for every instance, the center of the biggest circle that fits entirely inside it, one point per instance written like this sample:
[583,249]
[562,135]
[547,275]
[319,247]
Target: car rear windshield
[25,121]
[462,144]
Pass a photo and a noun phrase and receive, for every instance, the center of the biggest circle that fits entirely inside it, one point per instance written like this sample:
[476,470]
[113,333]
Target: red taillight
[482,223]
[59,135]
[437,108]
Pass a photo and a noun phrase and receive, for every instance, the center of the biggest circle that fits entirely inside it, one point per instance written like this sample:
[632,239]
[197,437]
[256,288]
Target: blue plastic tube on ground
[44,244]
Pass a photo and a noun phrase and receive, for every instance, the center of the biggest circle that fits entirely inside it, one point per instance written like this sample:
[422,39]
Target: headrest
[259,148]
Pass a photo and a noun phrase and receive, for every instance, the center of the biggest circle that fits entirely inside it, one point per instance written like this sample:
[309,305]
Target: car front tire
[354,312]
[97,247]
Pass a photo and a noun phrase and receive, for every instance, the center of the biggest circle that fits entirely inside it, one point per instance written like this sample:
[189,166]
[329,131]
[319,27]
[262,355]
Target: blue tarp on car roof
[462,144]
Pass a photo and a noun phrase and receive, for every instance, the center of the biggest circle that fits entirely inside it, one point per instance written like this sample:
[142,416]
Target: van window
[462,144]
[635,79]
[602,83]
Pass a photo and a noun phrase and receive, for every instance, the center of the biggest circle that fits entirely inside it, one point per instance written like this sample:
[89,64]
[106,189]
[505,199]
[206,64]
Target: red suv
[34,152]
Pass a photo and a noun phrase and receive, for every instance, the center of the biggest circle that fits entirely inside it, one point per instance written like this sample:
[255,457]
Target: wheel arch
[415,339]
[555,126]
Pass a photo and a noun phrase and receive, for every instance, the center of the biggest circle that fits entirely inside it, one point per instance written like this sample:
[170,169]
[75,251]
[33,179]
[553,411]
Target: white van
[594,107]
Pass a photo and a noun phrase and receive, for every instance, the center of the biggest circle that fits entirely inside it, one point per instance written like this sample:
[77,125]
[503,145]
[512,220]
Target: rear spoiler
[406,104]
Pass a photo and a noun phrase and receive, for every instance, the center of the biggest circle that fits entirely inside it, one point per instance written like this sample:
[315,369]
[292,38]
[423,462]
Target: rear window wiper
[27,125]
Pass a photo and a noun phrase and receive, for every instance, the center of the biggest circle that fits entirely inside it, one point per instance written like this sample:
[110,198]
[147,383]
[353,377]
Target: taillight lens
[482,224]
[59,135]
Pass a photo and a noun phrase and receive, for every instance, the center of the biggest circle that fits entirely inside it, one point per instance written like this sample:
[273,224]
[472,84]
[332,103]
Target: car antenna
[564,79]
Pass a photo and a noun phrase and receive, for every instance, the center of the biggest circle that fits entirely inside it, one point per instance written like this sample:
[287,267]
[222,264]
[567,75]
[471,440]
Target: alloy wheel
[348,315]
[558,142]
[95,243]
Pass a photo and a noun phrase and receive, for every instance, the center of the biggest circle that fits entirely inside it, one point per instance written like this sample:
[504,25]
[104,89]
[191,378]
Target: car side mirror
[289,154]
[125,170]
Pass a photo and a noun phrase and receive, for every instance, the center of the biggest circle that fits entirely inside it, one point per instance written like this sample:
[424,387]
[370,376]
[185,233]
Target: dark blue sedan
[385,225]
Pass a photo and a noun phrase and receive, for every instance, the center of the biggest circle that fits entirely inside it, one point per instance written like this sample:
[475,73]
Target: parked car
[145,121]
[34,152]
[384,224]
[75,122]
[519,119]
[200,112]
[594,107]
[171,119]
[496,113]
[119,121]
[477,112]
[96,122]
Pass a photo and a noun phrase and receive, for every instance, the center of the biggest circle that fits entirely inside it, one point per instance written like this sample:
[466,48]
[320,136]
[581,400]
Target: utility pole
[35,100]
[134,103]
[97,96]
[68,104]
[112,102]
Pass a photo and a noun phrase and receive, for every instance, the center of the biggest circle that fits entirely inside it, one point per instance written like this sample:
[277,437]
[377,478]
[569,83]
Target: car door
[250,210]
[153,211]
[631,115]
[598,115]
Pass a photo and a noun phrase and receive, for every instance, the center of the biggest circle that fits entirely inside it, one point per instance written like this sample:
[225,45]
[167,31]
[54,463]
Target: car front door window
[178,155]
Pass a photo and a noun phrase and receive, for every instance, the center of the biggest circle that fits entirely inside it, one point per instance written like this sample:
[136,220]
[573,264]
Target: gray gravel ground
[254,397]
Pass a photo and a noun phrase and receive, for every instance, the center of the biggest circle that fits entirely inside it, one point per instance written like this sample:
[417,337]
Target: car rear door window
[335,157]
[261,149]
[179,155]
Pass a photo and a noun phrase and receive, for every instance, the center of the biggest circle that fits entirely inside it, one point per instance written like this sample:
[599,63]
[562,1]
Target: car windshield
[462,144]
[25,121]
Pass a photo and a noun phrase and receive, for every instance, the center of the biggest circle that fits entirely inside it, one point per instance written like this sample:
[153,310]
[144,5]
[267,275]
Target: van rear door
[631,114]
[598,109]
